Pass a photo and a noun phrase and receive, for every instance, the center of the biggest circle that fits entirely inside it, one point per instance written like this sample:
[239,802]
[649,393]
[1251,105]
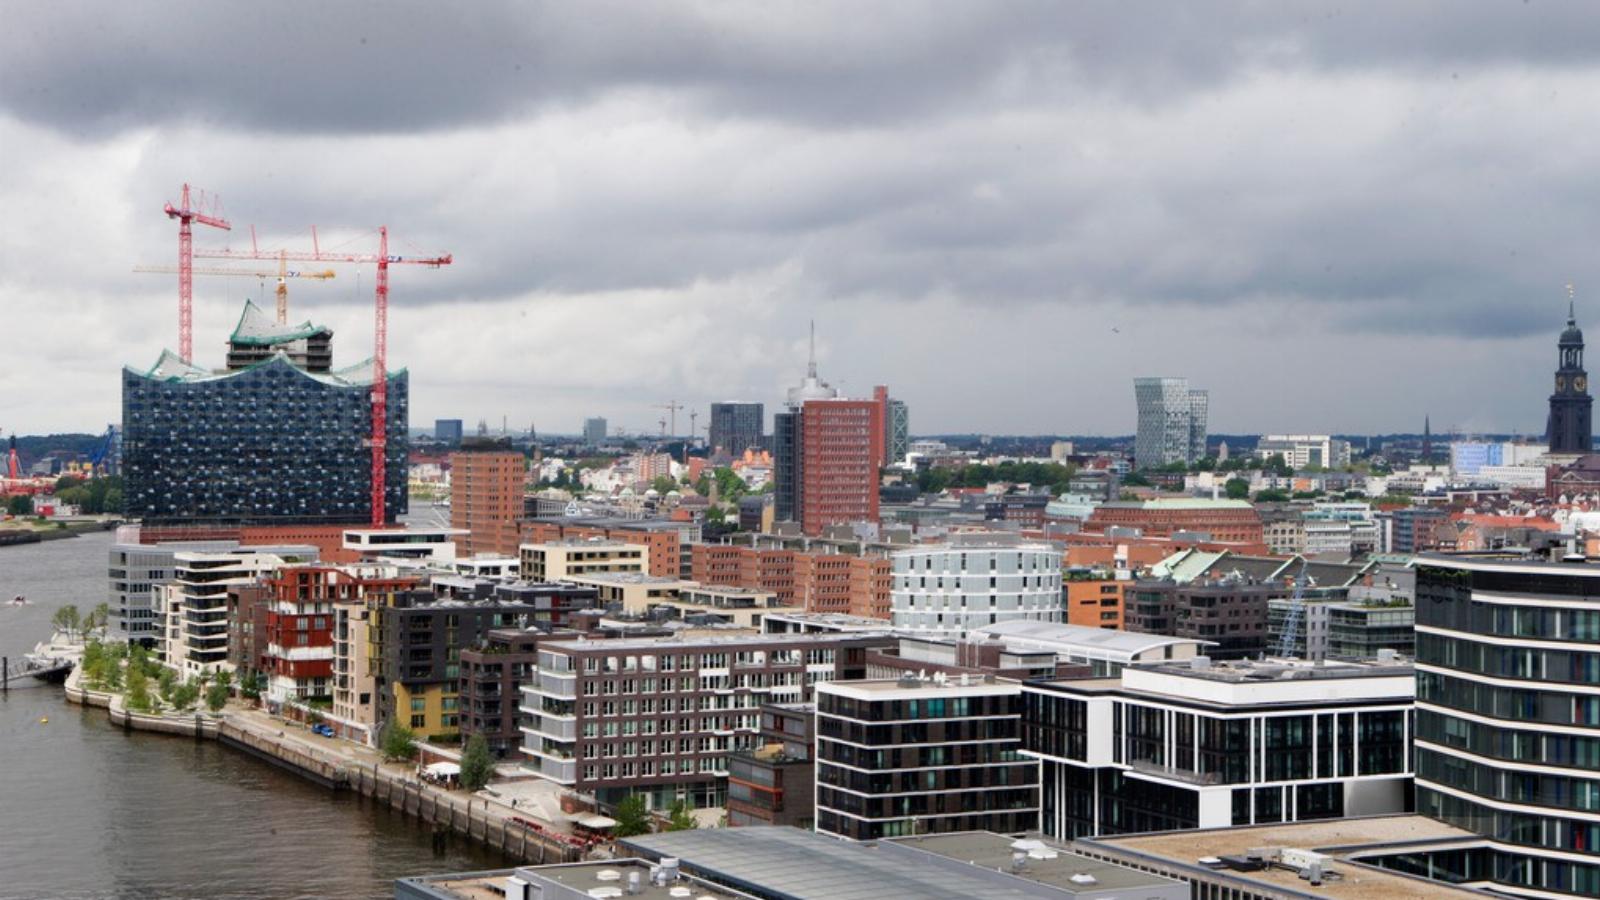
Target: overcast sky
[1004,211]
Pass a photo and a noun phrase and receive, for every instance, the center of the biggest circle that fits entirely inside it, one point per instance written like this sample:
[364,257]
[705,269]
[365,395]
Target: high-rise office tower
[594,431]
[736,426]
[1172,422]
[841,451]
[486,478]
[826,455]
[278,438]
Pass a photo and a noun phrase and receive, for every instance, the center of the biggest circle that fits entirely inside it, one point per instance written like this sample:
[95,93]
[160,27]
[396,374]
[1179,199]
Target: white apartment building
[192,609]
[1305,450]
[975,580]
[136,570]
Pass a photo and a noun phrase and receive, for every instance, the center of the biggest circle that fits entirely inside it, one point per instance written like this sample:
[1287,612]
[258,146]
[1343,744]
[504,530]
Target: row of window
[634,727]
[1509,660]
[1509,744]
[1559,792]
[920,708]
[690,684]
[1524,829]
[652,768]
[944,731]
[1515,704]
[667,747]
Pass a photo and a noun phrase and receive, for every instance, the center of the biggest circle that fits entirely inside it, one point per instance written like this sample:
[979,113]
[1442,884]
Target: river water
[88,811]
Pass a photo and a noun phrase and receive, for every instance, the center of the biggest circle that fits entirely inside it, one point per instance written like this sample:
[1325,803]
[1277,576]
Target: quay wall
[392,786]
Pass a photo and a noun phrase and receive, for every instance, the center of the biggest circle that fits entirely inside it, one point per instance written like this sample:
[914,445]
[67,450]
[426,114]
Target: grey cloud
[1222,182]
[393,67]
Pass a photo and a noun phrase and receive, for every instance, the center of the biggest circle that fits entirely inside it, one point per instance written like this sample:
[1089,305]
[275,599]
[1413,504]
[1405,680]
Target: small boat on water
[19,600]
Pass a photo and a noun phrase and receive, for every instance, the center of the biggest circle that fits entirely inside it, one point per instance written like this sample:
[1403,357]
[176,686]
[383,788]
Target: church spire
[1569,426]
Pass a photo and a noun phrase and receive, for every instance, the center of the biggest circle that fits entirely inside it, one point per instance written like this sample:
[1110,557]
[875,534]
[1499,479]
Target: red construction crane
[380,333]
[185,214]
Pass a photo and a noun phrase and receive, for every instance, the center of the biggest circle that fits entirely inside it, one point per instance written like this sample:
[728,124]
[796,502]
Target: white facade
[1304,450]
[949,589]
[1327,539]
[1105,651]
[1526,477]
[436,545]
[136,571]
[1233,744]
[1172,422]
[192,616]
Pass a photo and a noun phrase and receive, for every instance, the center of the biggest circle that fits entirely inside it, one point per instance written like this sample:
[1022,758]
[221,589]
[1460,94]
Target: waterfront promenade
[340,765]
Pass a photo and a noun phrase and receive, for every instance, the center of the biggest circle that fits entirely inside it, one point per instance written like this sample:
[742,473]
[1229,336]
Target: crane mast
[378,439]
[186,216]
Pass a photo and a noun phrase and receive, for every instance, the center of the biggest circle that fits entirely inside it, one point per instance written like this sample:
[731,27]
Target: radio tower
[185,214]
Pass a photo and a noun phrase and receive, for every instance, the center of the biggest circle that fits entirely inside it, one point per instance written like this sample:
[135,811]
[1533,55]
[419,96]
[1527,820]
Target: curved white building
[973,581]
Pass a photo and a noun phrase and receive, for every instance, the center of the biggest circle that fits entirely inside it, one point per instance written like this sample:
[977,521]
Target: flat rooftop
[832,620]
[1248,670]
[597,876]
[790,862]
[730,590]
[607,878]
[1343,839]
[627,578]
[1050,863]
[620,523]
[584,544]
[745,636]
[895,688]
[1083,638]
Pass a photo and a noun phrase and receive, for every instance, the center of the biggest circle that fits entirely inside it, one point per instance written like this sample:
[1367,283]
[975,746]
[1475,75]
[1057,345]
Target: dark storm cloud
[391,67]
[1219,182]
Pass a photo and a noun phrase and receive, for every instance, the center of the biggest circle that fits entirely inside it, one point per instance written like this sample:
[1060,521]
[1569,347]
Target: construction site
[277,443]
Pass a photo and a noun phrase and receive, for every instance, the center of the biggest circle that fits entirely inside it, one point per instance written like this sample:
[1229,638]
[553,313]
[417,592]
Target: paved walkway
[537,800]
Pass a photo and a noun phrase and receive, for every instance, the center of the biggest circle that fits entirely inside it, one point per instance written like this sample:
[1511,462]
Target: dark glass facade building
[1508,716]
[737,427]
[908,757]
[268,444]
[786,466]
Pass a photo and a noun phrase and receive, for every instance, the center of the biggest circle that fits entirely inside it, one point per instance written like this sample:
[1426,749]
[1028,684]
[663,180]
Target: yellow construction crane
[283,274]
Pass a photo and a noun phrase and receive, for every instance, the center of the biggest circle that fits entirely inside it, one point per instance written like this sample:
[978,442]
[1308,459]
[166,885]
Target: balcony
[554,728]
[559,771]
[1167,773]
[563,685]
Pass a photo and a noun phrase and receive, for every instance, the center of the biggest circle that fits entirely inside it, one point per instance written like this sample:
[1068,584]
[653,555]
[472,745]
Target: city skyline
[1050,195]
